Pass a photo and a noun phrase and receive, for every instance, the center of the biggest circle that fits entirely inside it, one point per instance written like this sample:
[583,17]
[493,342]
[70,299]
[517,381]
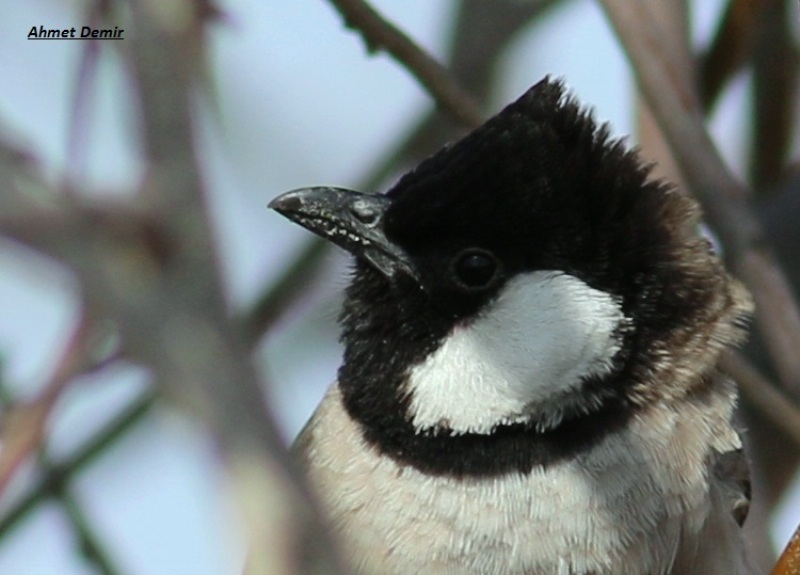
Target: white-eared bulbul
[529,383]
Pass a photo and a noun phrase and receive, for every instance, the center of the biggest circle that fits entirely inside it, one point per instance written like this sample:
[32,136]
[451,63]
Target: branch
[79,129]
[379,33]
[177,319]
[24,427]
[730,49]
[775,89]
[88,540]
[789,562]
[58,475]
[763,394]
[674,20]
[672,99]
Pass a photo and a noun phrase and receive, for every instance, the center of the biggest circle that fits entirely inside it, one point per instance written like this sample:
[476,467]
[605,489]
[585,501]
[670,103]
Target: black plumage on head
[540,186]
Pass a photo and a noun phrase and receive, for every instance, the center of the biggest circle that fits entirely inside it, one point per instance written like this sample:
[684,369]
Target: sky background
[296,101]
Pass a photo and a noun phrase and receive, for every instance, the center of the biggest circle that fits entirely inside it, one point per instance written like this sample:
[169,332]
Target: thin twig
[763,394]
[60,473]
[774,89]
[674,19]
[24,426]
[88,541]
[729,50]
[379,33]
[79,127]
[24,430]
[789,562]
[673,102]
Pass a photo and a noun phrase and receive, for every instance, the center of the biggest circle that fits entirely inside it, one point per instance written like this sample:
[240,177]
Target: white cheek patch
[545,332]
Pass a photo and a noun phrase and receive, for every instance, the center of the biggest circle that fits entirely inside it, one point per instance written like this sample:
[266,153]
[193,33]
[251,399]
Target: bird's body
[585,515]
[529,382]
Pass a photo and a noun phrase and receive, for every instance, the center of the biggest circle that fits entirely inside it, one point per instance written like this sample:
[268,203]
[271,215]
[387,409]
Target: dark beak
[349,219]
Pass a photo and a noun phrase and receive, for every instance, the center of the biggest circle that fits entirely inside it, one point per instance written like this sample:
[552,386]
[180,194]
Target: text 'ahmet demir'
[86,33]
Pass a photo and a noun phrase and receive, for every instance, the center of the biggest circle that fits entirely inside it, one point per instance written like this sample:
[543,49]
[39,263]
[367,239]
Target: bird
[530,380]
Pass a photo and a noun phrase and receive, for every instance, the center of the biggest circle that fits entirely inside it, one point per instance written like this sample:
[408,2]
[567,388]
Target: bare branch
[775,90]
[763,394]
[730,49]
[178,322]
[59,473]
[674,19]
[78,129]
[24,426]
[790,558]
[379,33]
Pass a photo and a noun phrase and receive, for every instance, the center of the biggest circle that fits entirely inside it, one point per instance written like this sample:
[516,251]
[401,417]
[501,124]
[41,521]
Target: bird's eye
[475,269]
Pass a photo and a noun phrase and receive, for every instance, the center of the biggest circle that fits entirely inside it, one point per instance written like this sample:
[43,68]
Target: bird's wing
[732,473]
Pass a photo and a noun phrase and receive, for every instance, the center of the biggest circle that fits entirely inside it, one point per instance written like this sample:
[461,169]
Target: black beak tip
[288,202]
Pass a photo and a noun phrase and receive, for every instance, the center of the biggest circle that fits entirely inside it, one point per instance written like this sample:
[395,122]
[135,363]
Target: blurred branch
[24,436]
[789,562]
[179,323]
[483,32]
[757,32]
[730,49]
[673,17]
[775,62]
[17,167]
[380,34]
[58,475]
[669,92]
[763,394]
[79,128]
[24,426]
[88,541]
[78,125]
[770,418]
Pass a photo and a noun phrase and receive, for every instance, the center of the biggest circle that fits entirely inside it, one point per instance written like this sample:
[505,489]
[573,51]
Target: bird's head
[529,281]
